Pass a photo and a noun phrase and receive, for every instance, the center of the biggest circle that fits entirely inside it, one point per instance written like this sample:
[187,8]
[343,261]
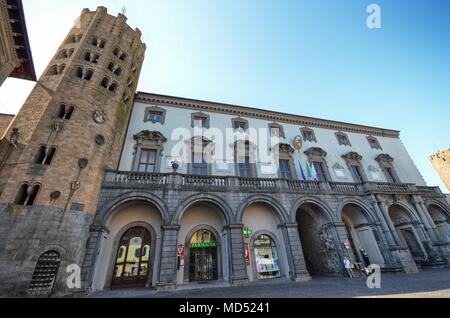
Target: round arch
[115,250]
[412,214]
[278,246]
[365,210]
[443,208]
[129,199]
[187,256]
[223,207]
[325,209]
[271,202]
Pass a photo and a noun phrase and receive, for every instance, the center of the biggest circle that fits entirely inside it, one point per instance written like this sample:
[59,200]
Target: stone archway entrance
[133,259]
[362,238]
[442,221]
[203,259]
[408,232]
[318,238]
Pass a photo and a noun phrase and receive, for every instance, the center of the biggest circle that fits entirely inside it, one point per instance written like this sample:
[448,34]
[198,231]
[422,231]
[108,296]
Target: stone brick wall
[5,120]
[441,162]
[62,222]
[77,138]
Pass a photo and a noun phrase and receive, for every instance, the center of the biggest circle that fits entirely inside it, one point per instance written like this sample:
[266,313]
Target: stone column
[426,221]
[400,252]
[384,225]
[385,213]
[238,273]
[168,260]
[90,256]
[297,264]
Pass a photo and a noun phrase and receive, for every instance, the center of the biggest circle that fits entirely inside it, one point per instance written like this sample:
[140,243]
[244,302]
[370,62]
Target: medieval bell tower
[53,156]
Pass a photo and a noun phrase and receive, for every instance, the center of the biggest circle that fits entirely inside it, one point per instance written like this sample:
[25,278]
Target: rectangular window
[199,165]
[275,132]
[240,125]
[155,116]
[390,174]
[357,174]
[245,167]
[285,170]
[320,171]
[200,122]
[147,161]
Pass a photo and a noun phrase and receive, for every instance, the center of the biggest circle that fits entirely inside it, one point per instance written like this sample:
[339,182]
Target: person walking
[348,266]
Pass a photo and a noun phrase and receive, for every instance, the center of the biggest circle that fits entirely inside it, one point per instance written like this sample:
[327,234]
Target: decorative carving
[75,185]
[100,140]
[200,140]
[14,138]
[353,156]
[99,116]
[285,148]
[385,158]
[55,195]
[57,126]
[175,166]
[298,143]
[154,136]
[83,163]
[316,152]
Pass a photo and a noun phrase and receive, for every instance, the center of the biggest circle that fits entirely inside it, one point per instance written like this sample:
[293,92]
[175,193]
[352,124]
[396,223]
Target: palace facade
[146,190]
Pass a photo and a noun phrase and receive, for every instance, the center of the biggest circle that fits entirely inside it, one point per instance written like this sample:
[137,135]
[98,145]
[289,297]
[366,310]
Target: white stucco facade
[179,117]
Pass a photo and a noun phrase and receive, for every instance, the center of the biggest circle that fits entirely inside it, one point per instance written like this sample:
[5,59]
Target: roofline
[264,114]
[32,76]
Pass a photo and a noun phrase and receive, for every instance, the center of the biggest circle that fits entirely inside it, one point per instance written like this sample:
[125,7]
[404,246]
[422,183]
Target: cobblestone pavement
[426,284]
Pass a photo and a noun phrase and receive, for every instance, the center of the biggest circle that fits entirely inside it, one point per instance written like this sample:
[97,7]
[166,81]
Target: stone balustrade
[229,183]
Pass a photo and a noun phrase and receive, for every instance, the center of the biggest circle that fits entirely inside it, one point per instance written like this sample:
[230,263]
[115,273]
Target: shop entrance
[203,257]
[266,258]
[133,259]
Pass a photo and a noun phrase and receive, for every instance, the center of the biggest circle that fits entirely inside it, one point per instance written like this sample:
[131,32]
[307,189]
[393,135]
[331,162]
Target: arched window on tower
[65,112]
[120,54]
[98,42]
[115,69]
[27,194]
[126,99]
[45,155]
[108,84]
[84,74]
[76,38]
[64,54]
[91,57]
[56,70]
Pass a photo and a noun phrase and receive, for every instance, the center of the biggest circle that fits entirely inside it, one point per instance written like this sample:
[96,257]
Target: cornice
[234,110]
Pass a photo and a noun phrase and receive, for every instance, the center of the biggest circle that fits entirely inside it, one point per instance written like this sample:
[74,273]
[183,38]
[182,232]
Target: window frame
[154,109]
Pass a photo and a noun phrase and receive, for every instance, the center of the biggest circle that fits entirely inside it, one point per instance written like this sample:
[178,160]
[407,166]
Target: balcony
[175,181]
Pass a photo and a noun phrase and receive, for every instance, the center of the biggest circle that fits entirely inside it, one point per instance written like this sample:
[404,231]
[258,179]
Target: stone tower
[441,162]
[54,154]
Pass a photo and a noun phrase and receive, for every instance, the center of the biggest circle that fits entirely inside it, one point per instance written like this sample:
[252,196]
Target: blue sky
[315,58]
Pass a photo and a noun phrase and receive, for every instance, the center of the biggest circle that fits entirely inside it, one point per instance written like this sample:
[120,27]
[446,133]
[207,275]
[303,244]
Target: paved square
[426,284]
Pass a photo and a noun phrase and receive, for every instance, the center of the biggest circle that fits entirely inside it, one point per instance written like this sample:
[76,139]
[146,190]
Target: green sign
[203,245]
[248,232]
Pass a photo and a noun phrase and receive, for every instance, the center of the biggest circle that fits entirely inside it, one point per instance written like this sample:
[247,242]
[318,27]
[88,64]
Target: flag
[309,173]
[314,172]
[302,171]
